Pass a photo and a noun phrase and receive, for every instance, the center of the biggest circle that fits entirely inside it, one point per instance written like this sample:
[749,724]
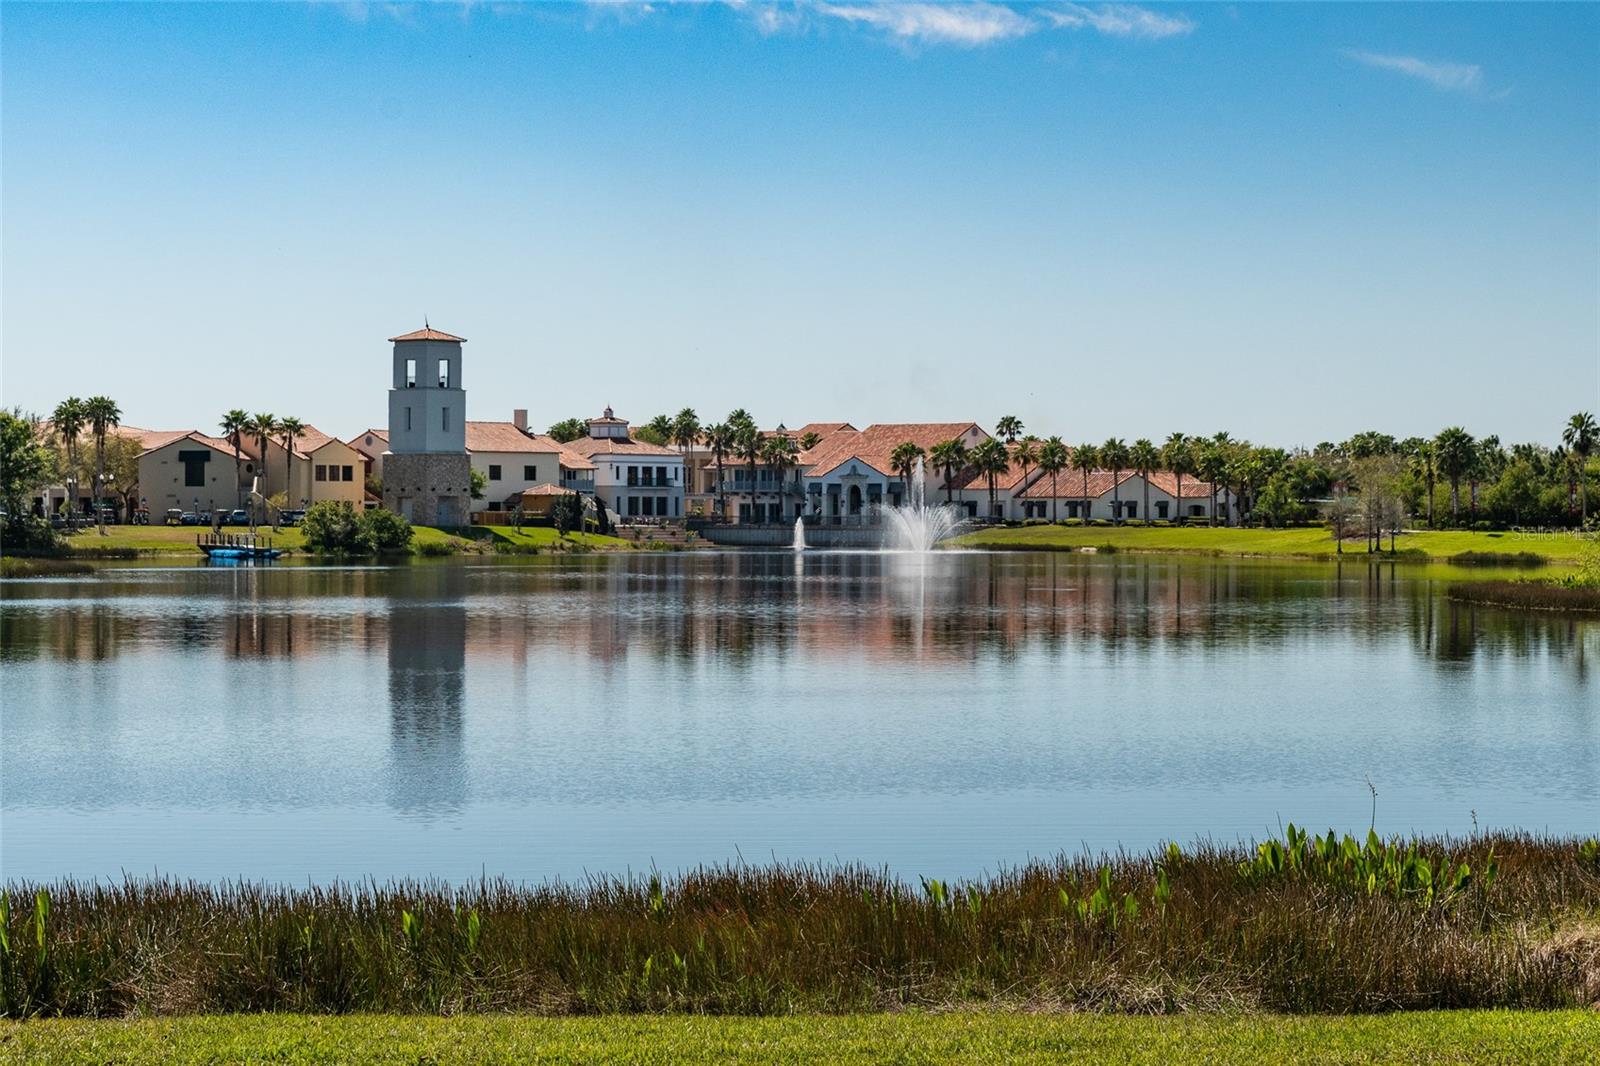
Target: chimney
[520,418]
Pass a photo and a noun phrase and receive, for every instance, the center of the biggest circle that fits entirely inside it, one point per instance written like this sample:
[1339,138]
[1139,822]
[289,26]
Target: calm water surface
[940,716]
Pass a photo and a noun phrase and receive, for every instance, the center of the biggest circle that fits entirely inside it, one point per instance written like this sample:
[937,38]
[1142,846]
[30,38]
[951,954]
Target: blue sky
[1291,222]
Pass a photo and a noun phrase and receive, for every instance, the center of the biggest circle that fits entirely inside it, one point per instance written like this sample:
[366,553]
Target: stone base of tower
[428,490]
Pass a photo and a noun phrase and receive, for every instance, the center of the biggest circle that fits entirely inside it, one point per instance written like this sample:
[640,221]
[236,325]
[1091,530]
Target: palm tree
[1114,456]
[748,446]
[949,456]
[660,427]
[1086,457]
[685,432]
[102,414]
[1025,453]
[1145,459]
[292,429]
[1212,464]
[809,440]
[903,461]
[69,418]
[991,460]
[233,424]
[779,452]
[1178,454]
[261,426]
[1053,458]
[1009,427]
[719,438]
[1422,466]
[1581,437]
[1454,452]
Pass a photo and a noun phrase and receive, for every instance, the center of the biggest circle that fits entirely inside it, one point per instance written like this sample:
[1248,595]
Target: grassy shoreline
[133,542]
[1306,924]
[956,1037]
[1298,543]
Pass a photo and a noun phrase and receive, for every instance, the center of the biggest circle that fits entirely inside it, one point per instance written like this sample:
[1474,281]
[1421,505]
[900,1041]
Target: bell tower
[427,477]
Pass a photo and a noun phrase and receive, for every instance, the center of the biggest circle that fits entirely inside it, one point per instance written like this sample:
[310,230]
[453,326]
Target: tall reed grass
[1302,924]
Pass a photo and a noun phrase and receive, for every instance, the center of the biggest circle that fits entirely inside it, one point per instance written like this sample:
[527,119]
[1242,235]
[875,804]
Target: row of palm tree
[99,415]
[239,426]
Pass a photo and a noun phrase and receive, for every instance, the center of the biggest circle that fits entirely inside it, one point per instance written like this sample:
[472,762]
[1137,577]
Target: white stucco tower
[427,476]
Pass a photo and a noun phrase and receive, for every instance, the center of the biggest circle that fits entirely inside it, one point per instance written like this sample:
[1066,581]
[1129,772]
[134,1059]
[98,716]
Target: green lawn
[1300,543]
[977,1037]
[181,539]
[168,538]
[544,537]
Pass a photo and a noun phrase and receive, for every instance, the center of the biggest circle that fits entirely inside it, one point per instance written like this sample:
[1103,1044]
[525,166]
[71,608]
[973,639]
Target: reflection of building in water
[427,684]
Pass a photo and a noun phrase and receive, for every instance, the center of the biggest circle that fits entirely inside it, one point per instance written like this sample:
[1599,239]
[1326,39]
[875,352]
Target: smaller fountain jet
[799,535]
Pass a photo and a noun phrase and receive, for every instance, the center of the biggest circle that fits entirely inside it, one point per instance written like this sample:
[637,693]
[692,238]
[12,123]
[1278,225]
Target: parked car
[189,518]
[238,518]
[290,518]
[175,517]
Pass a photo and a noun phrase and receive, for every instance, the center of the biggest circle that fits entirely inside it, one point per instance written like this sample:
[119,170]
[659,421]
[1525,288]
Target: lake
[939,715]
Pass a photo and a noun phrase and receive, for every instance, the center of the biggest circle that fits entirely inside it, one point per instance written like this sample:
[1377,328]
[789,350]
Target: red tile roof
[506,437]
[163,438]
[503,437]
[428,334]
[1069,485]
[592,446]
[875,444]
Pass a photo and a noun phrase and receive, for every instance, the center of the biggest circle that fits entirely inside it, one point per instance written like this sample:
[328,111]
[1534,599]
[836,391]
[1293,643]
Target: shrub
[30,535]
[384,531]
[332,528]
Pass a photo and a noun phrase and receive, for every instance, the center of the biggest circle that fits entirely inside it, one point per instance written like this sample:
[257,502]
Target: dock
[236,546]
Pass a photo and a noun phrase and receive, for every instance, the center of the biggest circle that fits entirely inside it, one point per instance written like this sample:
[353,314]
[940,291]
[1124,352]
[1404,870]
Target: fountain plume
[914,526]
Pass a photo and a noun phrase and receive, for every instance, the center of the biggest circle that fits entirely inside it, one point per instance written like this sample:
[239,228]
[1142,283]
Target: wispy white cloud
[965,24]
[1451,77]
[1118,20]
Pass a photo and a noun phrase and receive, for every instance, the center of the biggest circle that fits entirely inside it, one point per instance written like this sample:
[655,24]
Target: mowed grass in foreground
[963,1037]
[1300,542]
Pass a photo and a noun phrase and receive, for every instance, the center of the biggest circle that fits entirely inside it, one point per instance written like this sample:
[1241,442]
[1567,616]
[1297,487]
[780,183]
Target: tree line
[1488,483]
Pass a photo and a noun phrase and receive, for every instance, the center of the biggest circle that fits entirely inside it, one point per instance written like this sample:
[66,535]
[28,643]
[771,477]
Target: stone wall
[430,490]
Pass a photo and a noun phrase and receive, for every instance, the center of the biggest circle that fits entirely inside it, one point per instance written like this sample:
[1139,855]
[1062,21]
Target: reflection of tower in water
[427,683]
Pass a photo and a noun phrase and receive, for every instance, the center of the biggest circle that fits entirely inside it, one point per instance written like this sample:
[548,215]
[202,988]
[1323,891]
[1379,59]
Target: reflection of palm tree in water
[427,682]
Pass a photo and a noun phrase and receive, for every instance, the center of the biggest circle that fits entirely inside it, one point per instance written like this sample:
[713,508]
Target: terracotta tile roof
[150,439]
[593,446]
[822,429]
[503,437]
[164,438]
[876,443]
[1193,487]
[971,479]
[428,334]
[308,440]
[1069,485]
[542,490]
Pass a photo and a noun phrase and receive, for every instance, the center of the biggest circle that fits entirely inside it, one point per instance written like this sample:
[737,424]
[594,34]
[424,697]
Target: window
[411,375]
[408,419]
[444,417]
[194,468]
[347,472]
[444,373]
[530,473]
[661,475]
[322,472]
[494,506]
[494,471]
